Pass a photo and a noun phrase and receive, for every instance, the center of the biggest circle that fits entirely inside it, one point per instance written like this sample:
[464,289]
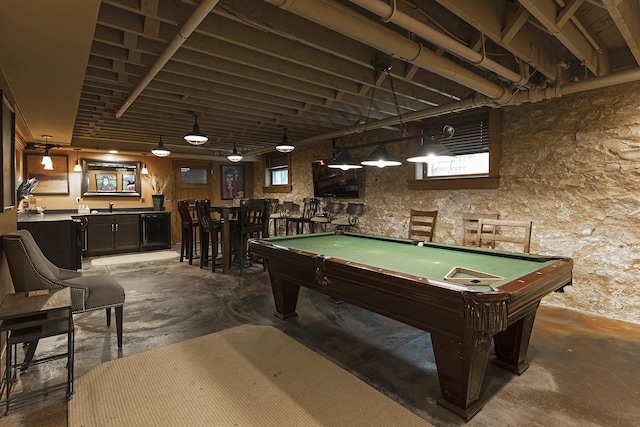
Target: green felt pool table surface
[432,260]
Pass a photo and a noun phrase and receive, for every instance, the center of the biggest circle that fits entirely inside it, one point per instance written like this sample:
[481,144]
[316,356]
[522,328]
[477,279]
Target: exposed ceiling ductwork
[253,67]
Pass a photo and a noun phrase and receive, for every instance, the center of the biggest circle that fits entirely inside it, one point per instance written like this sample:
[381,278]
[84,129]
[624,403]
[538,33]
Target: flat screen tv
[329,182]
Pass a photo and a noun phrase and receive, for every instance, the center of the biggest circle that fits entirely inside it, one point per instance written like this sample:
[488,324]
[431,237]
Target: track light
[195,137]
[160,151]
[284,146]
[234,156]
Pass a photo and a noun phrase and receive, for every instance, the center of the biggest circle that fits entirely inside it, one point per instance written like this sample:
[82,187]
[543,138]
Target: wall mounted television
[329,182]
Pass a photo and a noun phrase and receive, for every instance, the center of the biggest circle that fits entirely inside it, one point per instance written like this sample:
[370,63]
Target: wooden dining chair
[309,210]
[422,225]
[516,234]
[470,228]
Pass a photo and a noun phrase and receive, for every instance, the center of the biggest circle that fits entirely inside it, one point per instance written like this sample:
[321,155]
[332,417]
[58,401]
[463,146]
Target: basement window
[277,178]
[476,145]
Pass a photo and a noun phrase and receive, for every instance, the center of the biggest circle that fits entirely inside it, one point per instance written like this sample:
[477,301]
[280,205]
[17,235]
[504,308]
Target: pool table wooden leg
[511,345]
[285,296]
[461,368]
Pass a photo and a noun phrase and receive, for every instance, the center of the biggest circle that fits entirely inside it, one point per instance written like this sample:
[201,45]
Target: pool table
[486,294]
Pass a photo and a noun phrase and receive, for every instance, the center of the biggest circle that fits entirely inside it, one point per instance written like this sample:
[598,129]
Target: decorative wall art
[54,181]
[232,182]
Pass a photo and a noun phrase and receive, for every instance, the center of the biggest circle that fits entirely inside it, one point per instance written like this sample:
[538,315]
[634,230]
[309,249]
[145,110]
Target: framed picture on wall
[8,153]
[106,183]
[128,182]
[231,182]
[54,181]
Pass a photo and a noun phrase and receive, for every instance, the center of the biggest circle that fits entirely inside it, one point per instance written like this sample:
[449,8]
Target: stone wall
[571,165]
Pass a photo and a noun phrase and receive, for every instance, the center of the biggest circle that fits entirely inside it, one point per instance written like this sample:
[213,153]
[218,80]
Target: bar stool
[209,230]
[189,231]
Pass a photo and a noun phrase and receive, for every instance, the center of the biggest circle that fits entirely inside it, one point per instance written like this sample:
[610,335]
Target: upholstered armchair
[31,270]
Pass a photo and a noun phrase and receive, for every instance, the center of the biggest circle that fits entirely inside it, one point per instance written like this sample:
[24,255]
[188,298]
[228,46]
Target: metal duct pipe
[183,34]
[391,14]
[357,27]
[541,94]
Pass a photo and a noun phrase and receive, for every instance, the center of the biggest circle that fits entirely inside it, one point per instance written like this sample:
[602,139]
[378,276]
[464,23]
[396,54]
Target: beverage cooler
[155,231]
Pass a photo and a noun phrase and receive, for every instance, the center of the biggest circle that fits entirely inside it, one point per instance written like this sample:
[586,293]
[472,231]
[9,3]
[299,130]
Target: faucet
[110,206]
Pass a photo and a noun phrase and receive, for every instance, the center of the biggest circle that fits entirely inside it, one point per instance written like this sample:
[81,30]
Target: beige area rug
[244,376]
[135,257]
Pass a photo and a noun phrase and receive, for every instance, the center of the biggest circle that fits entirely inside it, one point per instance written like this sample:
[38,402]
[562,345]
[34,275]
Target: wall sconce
[195,137]
[284,146]
[144,170]
[160,151]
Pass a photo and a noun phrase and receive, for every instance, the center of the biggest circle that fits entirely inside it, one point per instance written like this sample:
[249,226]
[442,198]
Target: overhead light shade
[160,151]
[46,159]
[234,156]
[344,161]
[381,158]
[144,170]
[430,151]
[195,137]
[48,167]
[285,146]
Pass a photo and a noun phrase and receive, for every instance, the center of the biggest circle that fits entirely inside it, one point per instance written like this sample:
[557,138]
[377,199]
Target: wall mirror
[110,178]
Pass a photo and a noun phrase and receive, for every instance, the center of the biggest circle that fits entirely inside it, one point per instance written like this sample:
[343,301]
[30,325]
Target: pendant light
[46,159]
[344,161]
[381,158]
[430,151]
[234,156]
[195,137]
[77,167]
[160,151]
[284,146]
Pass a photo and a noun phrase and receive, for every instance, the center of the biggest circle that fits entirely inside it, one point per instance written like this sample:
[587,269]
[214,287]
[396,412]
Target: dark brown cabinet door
[112,233]
[100,229]
[126,233]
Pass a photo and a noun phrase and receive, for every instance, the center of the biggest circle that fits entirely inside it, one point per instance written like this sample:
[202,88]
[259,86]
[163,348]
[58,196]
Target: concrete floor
[584,369]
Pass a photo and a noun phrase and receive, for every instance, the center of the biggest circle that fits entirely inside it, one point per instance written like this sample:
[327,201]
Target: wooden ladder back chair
[422,225]
[470,228]
[515,232]
[309,210]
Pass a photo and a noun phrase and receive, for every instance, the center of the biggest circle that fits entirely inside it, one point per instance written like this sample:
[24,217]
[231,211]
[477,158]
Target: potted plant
[24,191]
[158,184]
